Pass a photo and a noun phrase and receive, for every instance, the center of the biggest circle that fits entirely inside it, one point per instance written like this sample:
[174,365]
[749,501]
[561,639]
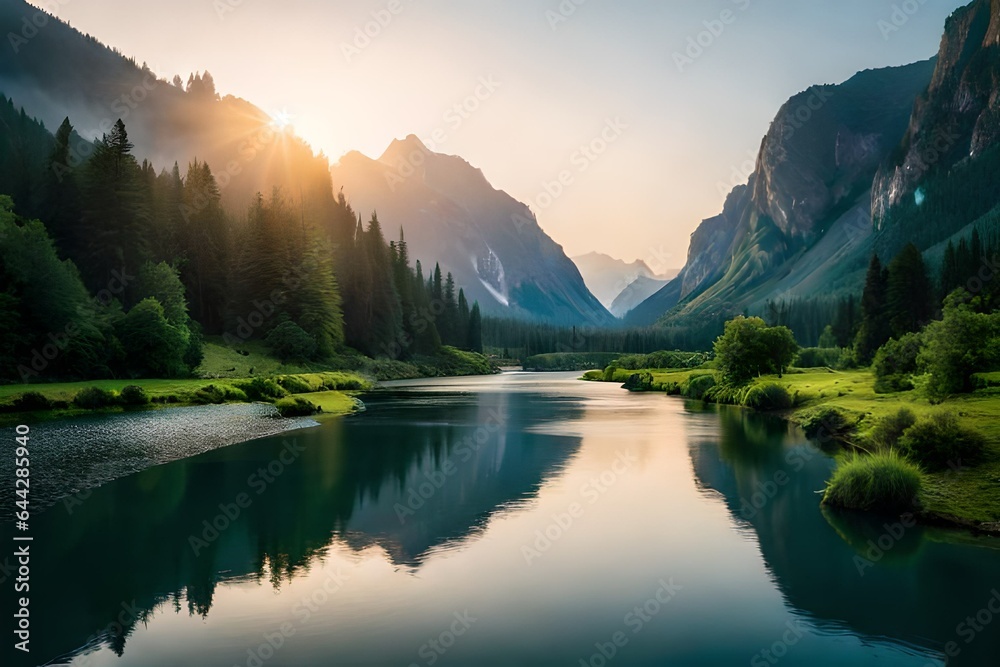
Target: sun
[281,120]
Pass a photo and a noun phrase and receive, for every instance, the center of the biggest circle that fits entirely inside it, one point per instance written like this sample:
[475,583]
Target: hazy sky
[561,73]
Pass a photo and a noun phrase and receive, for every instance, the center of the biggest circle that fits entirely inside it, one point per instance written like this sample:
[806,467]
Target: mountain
[892,156]
[942,175]
[489,241]
[56,72]
[637,291]
[801,226]
[608,277]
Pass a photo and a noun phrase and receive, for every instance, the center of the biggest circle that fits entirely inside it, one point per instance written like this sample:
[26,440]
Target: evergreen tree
[115,223]
[874,330]
[909,295]
[204,244]
[462,320]
[475,335]
[951,273]
[61,209]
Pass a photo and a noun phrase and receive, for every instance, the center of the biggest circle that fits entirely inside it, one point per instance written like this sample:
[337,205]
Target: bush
[290,342]
[819,357]
[295,385]
[662,359]
[31,401]
[213,395]
[895,364]
[940,440]
[609,373]
[95,398]
[296,406]
[767,396]
[260,389]
[887,431]
[884,481]
[639,382]
[134,395]
[828,423]
[697,386]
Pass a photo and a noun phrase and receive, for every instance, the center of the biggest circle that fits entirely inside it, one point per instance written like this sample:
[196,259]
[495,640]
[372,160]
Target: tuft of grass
[883,481]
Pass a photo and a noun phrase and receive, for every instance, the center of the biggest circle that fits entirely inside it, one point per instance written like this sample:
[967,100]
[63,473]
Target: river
[520,519]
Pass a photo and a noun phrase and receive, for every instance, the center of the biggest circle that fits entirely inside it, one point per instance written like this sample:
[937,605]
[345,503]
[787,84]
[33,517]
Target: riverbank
[330,393]
[964,495]
[229,375]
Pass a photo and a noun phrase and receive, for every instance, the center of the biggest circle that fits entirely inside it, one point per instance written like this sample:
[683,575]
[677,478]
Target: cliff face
[818,158]
[826,143]
[958,117]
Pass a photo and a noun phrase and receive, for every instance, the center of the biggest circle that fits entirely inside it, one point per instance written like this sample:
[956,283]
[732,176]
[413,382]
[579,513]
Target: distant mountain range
[891,156]
[608,278]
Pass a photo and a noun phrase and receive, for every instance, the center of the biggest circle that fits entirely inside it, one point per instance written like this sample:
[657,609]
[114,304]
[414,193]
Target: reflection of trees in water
[917,591]
[129,543]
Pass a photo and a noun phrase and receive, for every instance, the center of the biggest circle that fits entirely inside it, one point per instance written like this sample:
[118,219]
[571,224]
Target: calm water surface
[513,520]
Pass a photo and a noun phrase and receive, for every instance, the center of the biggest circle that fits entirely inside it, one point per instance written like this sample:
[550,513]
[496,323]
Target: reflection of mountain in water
[128,548]
[915,592]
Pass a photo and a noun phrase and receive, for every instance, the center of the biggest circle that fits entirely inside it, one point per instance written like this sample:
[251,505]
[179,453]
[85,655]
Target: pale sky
[679,134]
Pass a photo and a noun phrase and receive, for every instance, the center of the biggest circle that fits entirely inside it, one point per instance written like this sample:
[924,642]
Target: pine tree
[475,335]
[61,208]
[874,331]
[116,220]
[951,274]
[462,320]
[909,295]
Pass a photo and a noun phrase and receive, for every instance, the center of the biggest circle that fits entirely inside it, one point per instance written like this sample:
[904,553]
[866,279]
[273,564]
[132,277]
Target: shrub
[940,440]
[609,373]
[296,406]
[295,385]
[883,481]
[30,401]
[639,382]
[888,430]
[343,381]
[662,359]
[767,396]
[827,423]
[134,395]
[819,357]
[895,363]
[697,386]
[260,389]
[215,394]
[290,342]
[95,398]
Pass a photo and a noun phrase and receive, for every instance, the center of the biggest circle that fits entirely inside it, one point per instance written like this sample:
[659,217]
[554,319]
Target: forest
[114,269]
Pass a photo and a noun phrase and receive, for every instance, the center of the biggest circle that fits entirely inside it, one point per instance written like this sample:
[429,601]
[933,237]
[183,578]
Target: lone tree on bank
[749,348]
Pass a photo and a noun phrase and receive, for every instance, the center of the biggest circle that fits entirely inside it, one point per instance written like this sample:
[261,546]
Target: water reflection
[877,576]
[267,509]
